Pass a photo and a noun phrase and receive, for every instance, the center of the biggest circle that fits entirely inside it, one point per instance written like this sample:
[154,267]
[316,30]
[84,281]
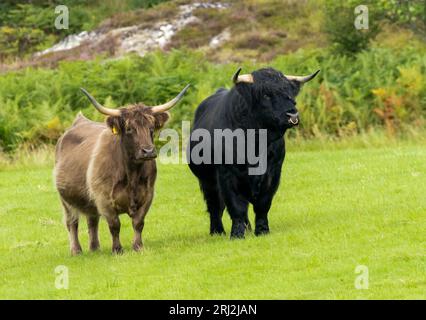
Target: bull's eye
[266,97]
[291,99]
[129,130]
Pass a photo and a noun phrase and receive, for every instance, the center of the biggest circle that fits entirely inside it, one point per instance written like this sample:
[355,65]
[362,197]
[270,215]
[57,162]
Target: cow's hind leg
[93,224]
[71,216]
[215,205]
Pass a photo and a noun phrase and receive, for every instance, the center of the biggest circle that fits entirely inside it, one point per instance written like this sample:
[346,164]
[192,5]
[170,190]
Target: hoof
[261,231]
[94,247]
[217,232]
[238,230]
[118,250]
[237,236]
[76,251]
[137,247]
[216,228]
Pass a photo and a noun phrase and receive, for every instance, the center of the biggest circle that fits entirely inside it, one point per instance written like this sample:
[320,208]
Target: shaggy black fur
[263,104]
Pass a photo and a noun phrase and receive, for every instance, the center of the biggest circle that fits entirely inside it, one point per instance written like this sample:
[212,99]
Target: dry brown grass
[198,34]
[143,17]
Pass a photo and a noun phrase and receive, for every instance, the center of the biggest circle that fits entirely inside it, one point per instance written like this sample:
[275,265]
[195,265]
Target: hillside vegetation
[27,26]
[381,83]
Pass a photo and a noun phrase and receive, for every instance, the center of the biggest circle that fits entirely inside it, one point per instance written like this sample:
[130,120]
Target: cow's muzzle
[293,118]
[146,153]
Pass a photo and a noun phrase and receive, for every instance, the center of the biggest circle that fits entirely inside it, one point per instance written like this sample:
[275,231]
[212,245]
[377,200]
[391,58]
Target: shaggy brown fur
[106,170]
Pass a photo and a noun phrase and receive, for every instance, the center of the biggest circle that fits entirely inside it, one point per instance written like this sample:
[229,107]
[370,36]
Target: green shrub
[378,88]
[410,13]
[339,26]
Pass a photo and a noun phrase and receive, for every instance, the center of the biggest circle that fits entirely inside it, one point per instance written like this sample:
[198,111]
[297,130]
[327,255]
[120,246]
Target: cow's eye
[129,130]
[151,131]
[266,97]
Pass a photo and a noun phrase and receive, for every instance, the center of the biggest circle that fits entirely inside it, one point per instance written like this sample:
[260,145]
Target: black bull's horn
[155,109]
[303,79]
[237,78]
[248,78]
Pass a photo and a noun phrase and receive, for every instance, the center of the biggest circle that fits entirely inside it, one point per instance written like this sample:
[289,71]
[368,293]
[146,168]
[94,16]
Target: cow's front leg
[138,222]
[114,228]
[261,209]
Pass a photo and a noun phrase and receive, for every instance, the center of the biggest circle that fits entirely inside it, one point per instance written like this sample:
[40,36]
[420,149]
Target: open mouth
[293,118]
[293,121]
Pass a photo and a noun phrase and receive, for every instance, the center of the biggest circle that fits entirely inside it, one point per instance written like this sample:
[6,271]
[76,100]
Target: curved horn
[99,107]
[170,104]
[247,78]
[303,79]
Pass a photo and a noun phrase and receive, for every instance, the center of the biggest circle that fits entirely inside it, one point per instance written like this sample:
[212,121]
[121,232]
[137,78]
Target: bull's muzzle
[293,118]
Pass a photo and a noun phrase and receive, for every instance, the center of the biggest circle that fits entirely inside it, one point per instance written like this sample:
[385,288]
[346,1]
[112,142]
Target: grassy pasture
[335,210]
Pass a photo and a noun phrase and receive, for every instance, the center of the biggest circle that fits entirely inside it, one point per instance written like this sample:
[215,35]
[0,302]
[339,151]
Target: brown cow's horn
[170,104]
[99,107]
[247,78]
[302,79]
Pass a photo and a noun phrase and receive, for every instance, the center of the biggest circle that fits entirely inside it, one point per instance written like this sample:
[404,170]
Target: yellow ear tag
[114,130]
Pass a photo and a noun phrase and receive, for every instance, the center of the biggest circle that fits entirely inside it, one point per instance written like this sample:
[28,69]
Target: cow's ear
[160,119]
[114,123]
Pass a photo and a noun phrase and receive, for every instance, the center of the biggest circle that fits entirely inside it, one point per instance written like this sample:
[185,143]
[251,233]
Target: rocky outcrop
[138,38]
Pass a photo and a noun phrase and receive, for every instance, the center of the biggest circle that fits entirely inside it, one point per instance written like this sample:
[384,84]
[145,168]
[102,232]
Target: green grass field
[334,210]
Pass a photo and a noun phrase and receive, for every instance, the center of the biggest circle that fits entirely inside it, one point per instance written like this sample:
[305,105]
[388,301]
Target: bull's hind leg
[71,220]
[215,205]
[93,224]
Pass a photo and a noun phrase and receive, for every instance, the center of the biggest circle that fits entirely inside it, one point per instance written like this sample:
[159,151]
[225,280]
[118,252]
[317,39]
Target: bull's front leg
[261,208]
[236,204]
[138,219]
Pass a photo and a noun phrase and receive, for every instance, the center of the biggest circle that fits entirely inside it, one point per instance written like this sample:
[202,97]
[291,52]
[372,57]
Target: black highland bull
[264,99]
